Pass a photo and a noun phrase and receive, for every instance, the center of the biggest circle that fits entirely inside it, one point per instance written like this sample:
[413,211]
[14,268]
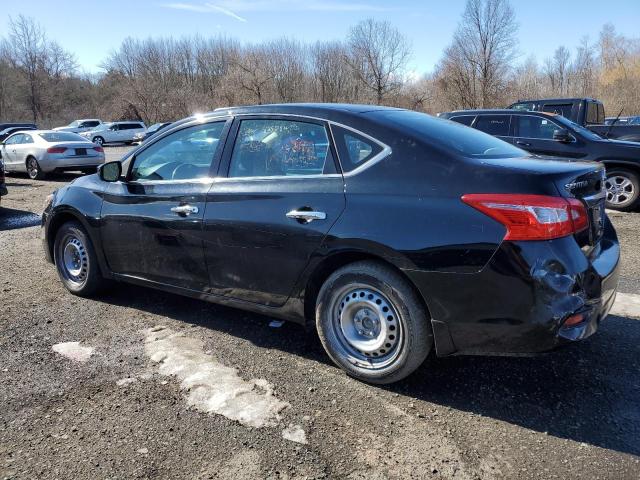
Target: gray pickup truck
[587,112]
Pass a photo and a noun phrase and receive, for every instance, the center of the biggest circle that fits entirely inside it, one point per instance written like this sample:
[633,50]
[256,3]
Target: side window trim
[227,154]
[215,162]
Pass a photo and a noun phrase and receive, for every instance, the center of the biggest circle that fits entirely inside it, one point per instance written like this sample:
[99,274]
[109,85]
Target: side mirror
[110,171]
[562,135]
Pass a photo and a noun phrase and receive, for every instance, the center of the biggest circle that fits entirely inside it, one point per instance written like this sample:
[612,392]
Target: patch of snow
[125,381]
[209,385]
[73,351]
[295,433]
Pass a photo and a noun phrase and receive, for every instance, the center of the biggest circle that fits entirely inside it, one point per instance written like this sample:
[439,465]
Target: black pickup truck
[587,112]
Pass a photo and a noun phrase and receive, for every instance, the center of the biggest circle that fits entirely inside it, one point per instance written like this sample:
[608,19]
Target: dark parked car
[587,112]
[546,134]
[622,120]
[153,129]
[4,133]
[392,232]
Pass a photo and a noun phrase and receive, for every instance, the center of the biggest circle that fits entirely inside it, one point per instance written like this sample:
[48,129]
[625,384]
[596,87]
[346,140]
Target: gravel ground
[116,413]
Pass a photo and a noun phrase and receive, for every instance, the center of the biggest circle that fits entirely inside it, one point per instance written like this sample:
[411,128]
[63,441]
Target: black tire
[395,317]
[623,189]
[98,140]
[33,169]
[82,278]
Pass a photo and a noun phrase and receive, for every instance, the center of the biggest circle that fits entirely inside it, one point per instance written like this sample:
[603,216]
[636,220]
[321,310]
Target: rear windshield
[453,136]
[62,137]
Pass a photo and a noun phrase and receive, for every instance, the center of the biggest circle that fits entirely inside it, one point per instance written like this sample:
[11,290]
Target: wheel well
[627,166]
[333,263]
[56,222]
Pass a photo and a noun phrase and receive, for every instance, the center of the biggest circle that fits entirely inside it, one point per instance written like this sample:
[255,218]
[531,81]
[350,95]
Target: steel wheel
[75,260]
[368,326]
[619,190]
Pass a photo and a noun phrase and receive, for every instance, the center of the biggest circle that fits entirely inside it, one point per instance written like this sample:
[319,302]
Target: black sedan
[550,135]
[392,232]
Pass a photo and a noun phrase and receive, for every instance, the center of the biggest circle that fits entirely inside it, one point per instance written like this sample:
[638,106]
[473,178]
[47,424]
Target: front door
[9,153]
[152,221]
[535,134]
[269,215]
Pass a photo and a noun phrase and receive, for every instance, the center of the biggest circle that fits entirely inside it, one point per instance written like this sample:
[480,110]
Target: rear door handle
[524,144]
[306,215]
[184,210]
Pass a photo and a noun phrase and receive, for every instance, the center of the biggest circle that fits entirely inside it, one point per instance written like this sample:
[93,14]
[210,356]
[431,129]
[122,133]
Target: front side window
[535,127]
[266,147]
[184,155]
[14,140]
[27,138]
[464,119]
[497,125]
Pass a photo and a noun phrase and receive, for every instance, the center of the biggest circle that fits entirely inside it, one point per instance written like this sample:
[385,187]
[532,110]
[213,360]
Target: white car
[79,126]
[115,132]
[39,152]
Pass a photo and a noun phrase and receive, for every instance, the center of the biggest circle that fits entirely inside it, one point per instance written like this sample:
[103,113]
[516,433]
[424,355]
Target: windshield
[75,123]
[465,141]
[61,137]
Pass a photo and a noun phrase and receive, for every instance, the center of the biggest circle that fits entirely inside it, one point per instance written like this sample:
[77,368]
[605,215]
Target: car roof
[499,111]
[572,99]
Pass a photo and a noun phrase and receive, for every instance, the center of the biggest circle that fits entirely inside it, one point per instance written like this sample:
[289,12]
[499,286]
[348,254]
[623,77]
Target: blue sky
[91,28]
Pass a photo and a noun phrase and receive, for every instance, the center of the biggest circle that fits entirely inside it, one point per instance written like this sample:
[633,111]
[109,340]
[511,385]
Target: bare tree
[378,54]
[334,80]
[557,71]
[479,60]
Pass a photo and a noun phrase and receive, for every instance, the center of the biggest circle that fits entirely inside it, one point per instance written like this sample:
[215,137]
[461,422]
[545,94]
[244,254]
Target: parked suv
[79,126]
[115,132]
[551,135]
[392,232]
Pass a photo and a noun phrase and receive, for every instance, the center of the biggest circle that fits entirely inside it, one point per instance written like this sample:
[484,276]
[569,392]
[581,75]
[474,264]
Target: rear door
[152,221]
[281,194]
[535,134]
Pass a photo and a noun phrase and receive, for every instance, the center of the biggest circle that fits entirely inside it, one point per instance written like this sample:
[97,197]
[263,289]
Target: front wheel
[33,169]
[372,323]
[98,140]
[76,260]
[623,189]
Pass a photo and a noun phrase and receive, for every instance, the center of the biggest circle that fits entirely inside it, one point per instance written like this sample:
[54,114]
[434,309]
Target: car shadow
[587,392]
[64,177]
[11,218]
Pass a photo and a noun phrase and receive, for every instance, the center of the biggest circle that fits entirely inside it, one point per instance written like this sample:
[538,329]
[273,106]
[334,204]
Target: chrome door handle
[306,215]
[184,210]
[524,144]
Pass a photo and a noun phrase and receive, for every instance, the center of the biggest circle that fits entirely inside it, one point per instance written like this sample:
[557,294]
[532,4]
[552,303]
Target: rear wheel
[372,324]
[33,169]
[76,260]
[623,189]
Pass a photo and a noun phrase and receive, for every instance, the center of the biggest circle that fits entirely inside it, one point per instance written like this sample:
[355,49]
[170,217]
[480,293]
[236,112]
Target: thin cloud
[226,11]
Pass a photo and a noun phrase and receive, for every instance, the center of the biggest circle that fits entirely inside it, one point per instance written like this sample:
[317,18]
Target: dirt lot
[112,406]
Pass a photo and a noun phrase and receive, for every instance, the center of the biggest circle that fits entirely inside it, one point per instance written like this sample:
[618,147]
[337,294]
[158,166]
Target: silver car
[39,152]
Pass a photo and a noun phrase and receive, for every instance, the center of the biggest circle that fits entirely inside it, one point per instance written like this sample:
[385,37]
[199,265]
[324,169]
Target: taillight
[56,150]
[532,217]
[98,149]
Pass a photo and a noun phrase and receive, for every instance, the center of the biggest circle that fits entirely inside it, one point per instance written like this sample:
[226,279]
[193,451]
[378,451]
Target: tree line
[161,79]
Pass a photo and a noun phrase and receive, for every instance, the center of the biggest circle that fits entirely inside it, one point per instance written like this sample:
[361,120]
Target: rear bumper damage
[531,297]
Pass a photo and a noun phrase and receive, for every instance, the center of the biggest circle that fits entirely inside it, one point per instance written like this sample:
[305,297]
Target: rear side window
[592,112]
[354,149]
[563,109]
[464,119]
[280,148]
[494,124]
[91,123]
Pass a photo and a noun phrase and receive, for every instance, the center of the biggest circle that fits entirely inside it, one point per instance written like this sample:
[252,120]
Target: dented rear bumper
[520,301]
